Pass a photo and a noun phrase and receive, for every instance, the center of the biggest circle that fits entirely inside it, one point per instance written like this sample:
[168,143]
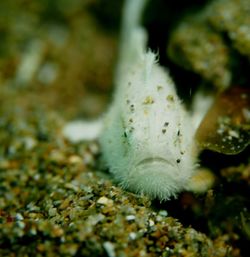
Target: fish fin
[82,130]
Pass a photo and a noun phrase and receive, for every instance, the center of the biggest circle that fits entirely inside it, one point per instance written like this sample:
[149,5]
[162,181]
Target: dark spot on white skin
[159,88]
[170,98]
[164,131]
[131,129]
[178,160]
[166,124]
[148,100]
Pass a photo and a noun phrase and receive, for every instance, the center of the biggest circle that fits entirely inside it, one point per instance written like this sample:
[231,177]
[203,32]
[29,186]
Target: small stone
[233,133]
[94,219]
[130,217]
[57,156]
[163,213]
[52,212]
[151,223]
[29,143]
[105,201]
[132,236]
[57,231]
[110,249]
[75,159]
[19,216]
[21,224]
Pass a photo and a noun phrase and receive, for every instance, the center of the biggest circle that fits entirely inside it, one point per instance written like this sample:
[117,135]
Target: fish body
[147,137]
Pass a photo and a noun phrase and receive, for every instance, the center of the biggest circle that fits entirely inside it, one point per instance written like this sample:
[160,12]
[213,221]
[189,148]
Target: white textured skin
[147,141]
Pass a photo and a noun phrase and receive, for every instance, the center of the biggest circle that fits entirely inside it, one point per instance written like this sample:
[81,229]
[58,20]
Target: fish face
[148,140]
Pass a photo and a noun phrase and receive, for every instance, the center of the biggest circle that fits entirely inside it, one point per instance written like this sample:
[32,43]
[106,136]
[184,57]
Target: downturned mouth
[154,160]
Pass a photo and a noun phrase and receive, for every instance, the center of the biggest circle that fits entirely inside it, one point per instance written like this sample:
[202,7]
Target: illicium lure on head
[147,138]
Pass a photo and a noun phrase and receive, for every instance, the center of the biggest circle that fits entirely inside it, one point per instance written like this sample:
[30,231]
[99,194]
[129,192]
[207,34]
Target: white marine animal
[146,136]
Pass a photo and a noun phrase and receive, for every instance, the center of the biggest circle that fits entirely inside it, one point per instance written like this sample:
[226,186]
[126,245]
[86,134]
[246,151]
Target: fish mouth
[155,176]
[153,160]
